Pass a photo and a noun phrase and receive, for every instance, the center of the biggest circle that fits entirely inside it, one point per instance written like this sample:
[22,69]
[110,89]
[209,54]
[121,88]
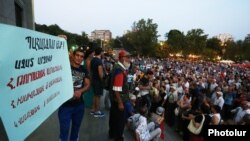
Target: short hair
[143,110]
[217,108]
[98,51]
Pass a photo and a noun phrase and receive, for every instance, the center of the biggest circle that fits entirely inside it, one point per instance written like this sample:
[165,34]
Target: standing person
[119,96]
[107,79]
[171,102]
[97,75]
[73,109]
[88,97]
[144,86]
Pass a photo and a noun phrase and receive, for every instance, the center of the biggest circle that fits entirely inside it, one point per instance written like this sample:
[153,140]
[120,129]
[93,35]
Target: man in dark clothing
[73,109]
[97,75]
[119,96]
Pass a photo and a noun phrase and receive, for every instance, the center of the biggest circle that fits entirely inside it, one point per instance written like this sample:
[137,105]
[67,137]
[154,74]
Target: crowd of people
[143,94]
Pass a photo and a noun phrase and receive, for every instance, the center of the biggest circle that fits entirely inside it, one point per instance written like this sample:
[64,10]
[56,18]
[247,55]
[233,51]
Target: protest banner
[35,79]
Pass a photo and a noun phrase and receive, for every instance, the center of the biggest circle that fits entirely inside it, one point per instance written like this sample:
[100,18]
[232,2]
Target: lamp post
[101,43]
[223,50]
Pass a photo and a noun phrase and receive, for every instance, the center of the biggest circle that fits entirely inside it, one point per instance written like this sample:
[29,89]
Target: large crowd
[188,89]
[142,94]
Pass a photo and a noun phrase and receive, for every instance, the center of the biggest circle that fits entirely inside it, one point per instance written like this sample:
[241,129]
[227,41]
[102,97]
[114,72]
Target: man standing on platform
[119,96]
[72,111]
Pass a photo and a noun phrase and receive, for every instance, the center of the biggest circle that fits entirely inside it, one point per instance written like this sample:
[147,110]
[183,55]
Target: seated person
[158,119]
[133,121]
[130,106]
[146,131]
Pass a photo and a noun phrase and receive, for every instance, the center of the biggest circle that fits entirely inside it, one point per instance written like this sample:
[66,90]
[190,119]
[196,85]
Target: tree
[231,51]
[72,39]
[214,44]
[196,41]
[143,37]
[176,40]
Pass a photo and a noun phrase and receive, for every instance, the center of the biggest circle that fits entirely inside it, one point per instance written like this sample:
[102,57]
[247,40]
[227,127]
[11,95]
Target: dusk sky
[213,16]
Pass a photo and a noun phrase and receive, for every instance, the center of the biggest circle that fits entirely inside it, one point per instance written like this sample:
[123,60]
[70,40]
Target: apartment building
[104,35]
[18,13]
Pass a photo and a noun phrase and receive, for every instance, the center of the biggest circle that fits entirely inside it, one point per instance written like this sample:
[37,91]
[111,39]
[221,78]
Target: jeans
[147,100]
[155,133]
[66,115]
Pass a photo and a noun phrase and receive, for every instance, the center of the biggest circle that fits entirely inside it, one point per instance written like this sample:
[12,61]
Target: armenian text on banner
[35,79]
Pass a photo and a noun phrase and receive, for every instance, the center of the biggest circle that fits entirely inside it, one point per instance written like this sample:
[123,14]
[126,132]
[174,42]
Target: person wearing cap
[119,95]
[219,99]
[97,75]
[73,109]
[130,106]
[146,131]
[158,118]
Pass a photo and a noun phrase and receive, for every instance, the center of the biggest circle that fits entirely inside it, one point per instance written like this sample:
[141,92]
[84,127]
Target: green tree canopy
[196,41]
[143,37]
[72,39]
[176,40]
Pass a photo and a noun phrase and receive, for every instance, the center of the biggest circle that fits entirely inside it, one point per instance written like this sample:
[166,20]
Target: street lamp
[101,43]
[223,50]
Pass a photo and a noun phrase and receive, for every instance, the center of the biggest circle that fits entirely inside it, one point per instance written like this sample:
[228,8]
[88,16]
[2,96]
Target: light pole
[101,43]
[224,50]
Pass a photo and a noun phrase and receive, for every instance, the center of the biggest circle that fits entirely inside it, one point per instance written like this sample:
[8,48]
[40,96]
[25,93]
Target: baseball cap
[132,97]
[137,88]
[123,53]
[160,110]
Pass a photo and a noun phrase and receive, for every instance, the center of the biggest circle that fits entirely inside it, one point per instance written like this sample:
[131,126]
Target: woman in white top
[216,117]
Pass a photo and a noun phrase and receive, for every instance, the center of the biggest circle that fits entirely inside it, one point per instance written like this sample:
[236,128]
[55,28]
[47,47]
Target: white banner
[35,79]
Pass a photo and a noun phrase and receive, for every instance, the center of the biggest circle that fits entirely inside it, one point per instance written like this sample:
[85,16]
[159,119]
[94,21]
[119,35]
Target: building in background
[104,35]
[18,13]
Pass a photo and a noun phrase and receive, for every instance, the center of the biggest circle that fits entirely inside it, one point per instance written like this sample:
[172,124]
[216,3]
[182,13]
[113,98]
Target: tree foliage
[72,39]
[143,37]
[196,41]
[176,40]
[142,40]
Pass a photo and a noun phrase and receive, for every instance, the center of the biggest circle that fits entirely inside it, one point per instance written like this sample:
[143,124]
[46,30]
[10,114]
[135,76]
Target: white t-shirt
[142,129]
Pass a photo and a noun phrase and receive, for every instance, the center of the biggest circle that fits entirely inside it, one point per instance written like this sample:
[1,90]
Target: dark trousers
[116,122]
[66,115]
[170,116]
[146,99]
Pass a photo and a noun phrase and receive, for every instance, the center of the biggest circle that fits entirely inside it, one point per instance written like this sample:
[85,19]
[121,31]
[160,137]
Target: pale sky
[213,16]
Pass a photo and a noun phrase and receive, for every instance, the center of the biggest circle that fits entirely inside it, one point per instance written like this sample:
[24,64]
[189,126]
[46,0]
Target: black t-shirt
[95,63]
[207,120]
[144,81]
[78,77]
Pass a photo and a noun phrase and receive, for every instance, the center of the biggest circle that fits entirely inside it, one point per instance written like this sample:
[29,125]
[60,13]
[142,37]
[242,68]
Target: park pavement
[92,129]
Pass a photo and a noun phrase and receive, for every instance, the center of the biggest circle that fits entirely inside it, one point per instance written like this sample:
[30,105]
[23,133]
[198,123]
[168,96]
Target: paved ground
[92,129]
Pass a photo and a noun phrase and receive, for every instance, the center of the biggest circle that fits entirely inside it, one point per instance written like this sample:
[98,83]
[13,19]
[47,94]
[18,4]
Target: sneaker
[92,112]
[99,114]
